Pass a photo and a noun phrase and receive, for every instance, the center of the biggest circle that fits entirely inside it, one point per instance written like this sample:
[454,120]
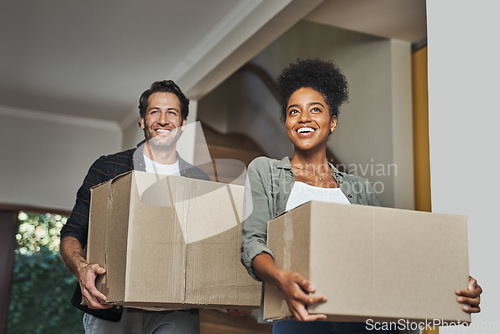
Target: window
[41,285]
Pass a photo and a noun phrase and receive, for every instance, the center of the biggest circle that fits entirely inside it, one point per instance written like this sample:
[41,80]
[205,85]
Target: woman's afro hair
[320,75]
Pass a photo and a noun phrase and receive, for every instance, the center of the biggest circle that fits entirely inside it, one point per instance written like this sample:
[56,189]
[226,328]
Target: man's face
[163,124]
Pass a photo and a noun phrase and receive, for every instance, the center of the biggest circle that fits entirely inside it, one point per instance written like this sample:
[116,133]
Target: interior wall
[46,157]
[378,114]
[463,128]
[243,104]
[132,135]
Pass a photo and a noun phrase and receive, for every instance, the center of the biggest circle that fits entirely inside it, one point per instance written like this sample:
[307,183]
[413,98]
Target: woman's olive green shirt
[268,186]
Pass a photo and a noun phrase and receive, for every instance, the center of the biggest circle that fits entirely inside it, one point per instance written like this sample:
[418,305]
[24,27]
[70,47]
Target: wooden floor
[219,322]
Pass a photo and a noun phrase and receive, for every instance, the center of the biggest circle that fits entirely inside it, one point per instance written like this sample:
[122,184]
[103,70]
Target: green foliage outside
[41,285]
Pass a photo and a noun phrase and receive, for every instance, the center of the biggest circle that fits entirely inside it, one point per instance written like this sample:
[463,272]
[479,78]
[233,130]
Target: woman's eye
[316,110]
[293,111]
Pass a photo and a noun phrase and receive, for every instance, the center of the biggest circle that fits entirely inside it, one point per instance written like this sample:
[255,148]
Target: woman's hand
[470,297]
[295,287]
[297,291]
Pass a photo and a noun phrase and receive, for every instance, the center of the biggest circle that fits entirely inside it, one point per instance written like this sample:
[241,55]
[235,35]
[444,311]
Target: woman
[313,91]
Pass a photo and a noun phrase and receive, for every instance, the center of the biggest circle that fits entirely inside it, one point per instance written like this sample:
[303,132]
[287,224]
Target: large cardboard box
[372,263]
[169,242]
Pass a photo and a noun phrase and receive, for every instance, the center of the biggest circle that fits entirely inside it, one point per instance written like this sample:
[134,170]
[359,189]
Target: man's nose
[164,119]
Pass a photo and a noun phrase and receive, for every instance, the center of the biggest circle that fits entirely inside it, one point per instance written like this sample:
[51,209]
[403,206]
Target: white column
[464,72]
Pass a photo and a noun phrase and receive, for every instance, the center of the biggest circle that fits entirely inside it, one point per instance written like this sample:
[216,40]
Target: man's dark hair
[320,75]
[165,86]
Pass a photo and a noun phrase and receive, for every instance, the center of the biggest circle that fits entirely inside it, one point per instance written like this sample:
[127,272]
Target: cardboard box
[169,242]
[371,262]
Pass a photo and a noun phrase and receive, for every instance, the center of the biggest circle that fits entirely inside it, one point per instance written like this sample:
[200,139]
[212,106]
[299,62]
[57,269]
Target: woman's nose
[304,116]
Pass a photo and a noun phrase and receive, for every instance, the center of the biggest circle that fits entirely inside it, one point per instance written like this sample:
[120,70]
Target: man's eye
[153,112]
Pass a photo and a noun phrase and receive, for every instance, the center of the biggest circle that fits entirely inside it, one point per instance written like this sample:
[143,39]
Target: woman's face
[308,121]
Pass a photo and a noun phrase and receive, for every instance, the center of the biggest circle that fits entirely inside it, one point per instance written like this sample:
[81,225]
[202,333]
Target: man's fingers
[92,302]
[97,269]
[90,287]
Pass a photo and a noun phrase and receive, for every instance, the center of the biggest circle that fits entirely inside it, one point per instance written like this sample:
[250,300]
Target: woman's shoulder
[352,177]
[359,186]
[263,162]
[354,180]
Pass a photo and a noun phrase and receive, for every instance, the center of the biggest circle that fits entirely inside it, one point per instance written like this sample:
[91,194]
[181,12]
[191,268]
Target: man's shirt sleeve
[78,222]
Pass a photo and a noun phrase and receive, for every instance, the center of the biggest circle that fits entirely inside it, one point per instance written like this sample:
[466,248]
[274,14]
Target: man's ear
[142,124]
[183,125]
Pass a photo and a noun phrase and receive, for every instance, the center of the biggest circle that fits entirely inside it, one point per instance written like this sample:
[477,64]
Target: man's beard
[158,143]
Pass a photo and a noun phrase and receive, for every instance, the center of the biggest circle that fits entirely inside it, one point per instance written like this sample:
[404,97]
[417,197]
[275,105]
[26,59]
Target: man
[163,109]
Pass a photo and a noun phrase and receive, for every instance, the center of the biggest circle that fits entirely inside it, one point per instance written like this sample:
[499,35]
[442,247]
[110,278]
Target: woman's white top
[303,192]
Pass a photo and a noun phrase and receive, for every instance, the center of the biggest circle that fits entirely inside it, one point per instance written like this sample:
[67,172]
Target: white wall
[374,131]
[463,121]
[132,134]
[45,156]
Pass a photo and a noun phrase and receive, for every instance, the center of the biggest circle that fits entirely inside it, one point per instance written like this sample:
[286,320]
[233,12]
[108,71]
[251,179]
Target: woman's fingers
[300,312]
[297,292]
[305,284]
[470,298]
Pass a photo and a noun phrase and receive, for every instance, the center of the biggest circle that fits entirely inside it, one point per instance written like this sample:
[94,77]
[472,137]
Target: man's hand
[470,297]
[298,296]
[72,255]
[86,275]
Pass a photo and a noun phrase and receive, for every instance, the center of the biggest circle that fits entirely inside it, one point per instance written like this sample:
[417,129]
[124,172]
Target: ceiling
[93,58]
[396,19]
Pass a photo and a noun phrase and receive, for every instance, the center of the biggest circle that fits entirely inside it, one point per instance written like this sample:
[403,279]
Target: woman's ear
[333,124]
